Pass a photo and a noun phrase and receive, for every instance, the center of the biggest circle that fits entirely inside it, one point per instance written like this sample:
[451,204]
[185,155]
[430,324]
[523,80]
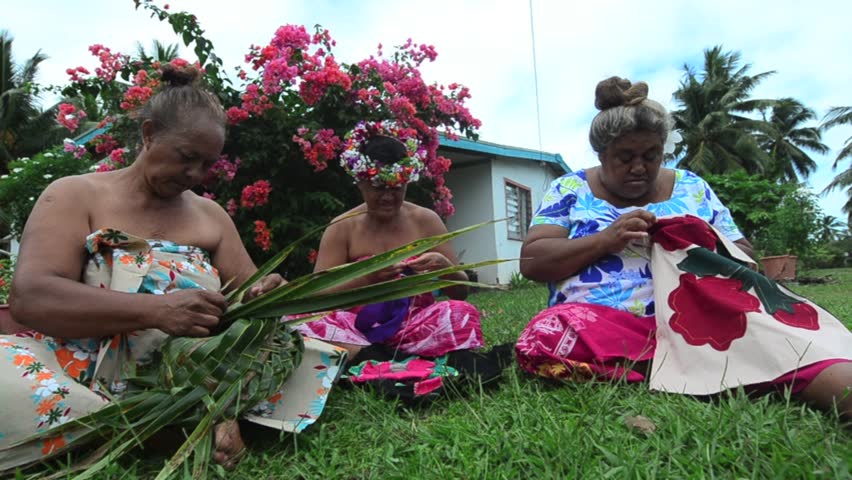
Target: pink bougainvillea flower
[321,147]
[231,207]
[69,116]
[256,194]
[223,170]
[262,237]
[236,115]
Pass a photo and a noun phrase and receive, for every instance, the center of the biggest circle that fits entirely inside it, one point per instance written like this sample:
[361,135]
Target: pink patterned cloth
[581,341]
[431,329]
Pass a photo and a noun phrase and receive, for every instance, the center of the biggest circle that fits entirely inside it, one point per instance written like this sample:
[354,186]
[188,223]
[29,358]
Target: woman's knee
[832,389]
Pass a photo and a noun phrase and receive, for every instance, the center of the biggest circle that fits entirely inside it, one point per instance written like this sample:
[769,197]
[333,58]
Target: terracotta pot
[7,325]
[781,267]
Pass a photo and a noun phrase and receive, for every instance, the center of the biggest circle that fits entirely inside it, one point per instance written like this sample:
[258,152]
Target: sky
[488,46]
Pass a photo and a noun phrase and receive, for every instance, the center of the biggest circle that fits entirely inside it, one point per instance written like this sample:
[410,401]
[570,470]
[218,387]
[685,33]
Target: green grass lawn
[528,428]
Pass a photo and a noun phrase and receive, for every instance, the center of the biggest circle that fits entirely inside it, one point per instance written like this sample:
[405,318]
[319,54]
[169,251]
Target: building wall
[471,187]
[534,175]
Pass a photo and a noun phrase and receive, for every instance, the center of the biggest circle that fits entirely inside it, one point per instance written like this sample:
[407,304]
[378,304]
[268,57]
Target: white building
[491,181]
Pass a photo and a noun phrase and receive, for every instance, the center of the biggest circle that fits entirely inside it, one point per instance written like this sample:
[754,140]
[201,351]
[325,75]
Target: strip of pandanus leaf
[341,274]
[201,430]
[172,411]
[237,294]
[273,305]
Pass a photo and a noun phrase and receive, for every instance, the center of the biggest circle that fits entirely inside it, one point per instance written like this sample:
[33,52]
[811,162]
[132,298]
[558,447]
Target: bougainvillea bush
[288,107]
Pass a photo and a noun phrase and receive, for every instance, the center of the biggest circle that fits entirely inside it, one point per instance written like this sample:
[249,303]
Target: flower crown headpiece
[361,167]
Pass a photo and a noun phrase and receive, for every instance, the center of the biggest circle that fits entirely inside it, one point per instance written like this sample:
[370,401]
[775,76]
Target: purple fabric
[380,321]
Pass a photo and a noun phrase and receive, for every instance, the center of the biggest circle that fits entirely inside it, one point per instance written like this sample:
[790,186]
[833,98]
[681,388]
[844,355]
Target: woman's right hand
[189,313]
[626,228]
[386,274]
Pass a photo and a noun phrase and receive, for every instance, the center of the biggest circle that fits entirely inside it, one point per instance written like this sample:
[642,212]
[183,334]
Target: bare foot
[228,444]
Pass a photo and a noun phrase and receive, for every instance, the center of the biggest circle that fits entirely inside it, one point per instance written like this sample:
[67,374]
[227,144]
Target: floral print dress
[47,381]
[710,332]
[621,281]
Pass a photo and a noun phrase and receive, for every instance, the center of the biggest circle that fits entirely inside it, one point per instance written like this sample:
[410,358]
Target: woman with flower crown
[383,158]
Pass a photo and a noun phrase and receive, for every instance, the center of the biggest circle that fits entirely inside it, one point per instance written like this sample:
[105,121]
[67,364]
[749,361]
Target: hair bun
[179,76]
[617,91]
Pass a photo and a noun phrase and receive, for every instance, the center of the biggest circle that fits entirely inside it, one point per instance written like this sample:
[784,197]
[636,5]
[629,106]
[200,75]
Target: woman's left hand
[429,262]
[264,285]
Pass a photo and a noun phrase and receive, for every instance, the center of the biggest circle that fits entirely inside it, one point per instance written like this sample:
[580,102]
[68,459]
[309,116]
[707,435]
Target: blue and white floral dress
[623,280]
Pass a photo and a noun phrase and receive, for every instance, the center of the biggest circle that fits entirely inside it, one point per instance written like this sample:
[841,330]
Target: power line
[535,76]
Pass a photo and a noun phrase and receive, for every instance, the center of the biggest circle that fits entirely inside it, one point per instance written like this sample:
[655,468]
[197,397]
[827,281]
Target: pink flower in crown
[361,167]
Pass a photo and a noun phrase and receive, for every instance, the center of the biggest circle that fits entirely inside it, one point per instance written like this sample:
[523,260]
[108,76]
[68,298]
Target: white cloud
[487,46]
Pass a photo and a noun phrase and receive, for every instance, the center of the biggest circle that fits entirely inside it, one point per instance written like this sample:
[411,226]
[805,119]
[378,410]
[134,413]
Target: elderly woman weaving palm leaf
[383,158]
[78,291]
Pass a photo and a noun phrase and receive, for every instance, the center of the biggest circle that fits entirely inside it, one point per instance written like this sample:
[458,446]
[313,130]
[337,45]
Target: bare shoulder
[348,220]
[76,190]
[210,208]
[429,221]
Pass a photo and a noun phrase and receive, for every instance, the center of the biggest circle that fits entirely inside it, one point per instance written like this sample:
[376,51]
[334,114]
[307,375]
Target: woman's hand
[386,274]
[265,284]
[429,262]
[189,313]
[626,228]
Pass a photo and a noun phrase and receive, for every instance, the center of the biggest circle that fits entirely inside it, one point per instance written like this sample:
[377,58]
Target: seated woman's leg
[832,387]
[578,341]
[440,328]
[336,328]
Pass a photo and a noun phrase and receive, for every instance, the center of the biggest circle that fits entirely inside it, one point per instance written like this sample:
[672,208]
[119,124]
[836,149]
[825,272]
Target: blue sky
[486,45]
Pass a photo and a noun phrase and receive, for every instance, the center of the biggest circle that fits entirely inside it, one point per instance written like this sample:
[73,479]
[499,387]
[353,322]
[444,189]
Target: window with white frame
[518,210]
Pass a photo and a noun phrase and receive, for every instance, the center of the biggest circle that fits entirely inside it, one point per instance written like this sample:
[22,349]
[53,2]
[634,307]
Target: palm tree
[787,138]
[25,129]
[829,228]
[159,52]
[841,116]
[717,138]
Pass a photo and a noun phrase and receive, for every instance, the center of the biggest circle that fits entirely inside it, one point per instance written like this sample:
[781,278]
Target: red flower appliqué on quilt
[715,294]
[680,233]
[710,310]
[803,316]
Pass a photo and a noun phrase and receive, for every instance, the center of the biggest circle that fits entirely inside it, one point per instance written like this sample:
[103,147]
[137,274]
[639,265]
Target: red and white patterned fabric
[431,329]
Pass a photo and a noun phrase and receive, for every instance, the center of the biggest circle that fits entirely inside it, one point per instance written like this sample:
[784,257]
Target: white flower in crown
[362,167]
